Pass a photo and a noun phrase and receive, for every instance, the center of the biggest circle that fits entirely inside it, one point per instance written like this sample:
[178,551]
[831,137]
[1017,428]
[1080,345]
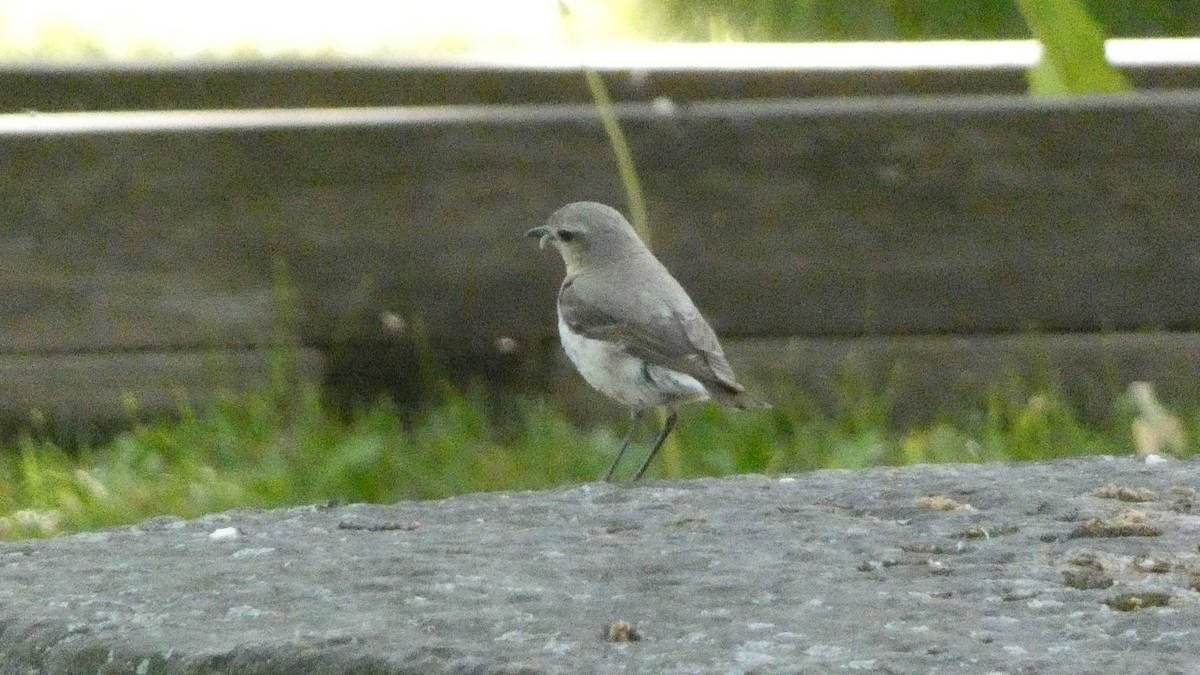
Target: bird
[629,328]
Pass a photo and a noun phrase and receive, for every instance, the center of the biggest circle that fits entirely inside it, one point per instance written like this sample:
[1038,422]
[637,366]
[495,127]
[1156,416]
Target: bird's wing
[702,338]
[680,340]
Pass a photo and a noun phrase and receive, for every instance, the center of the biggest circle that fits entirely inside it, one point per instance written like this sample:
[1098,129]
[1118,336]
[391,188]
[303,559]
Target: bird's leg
[662,436]
[635,417]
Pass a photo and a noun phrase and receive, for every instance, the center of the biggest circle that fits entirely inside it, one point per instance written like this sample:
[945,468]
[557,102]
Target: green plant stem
[638,214]
[670,455]
[1073,58]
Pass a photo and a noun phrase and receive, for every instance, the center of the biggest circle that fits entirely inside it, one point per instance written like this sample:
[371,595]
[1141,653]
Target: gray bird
[629,327]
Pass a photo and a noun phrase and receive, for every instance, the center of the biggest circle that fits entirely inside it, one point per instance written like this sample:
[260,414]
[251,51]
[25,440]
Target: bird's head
[586,233]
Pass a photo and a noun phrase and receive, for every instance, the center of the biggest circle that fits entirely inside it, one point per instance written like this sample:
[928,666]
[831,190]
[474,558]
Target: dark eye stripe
[566,235]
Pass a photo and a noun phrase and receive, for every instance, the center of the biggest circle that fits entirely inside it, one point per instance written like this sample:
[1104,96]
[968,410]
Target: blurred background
[257,254]
[133,29]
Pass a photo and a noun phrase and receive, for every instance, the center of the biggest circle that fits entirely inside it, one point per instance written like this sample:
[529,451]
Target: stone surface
[1076,566]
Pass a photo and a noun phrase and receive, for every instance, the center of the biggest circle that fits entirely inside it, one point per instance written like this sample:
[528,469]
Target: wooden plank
[783,218]
[778,72]
[75,388]
[300,86]
[922,379]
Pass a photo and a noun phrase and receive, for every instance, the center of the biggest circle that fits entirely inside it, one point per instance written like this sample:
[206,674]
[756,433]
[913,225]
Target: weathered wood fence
[156,242]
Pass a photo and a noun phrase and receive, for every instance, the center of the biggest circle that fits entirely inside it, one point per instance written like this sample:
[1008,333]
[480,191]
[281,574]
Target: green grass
[276,449]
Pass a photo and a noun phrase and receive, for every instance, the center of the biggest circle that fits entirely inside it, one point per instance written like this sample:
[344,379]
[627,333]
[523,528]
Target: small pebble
[225,534]
[621,631]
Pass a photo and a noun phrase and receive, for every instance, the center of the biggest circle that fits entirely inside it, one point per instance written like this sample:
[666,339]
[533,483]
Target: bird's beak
[542,234]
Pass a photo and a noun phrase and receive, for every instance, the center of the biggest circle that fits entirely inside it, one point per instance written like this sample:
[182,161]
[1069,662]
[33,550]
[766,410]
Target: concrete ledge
[1076,566]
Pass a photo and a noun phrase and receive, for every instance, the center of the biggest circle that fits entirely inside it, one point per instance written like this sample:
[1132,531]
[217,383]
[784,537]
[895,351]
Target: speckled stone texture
[1076,566]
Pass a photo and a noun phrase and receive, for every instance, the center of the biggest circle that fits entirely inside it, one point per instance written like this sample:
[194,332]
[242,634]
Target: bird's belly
[627,379]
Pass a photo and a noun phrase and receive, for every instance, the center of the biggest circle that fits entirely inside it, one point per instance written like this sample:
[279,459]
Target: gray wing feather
[680,340]
[701,336]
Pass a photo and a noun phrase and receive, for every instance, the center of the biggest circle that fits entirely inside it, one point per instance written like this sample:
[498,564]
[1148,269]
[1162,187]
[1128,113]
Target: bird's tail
[742,401]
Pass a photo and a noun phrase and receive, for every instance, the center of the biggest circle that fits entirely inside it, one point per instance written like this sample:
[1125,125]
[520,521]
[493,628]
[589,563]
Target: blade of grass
[670,460]
[1073,59]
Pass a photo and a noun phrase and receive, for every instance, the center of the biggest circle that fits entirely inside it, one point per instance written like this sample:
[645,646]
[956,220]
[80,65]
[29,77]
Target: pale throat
[573,260]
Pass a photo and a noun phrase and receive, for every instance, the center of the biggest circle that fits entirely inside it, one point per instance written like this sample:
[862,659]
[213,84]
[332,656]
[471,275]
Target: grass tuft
[287,447]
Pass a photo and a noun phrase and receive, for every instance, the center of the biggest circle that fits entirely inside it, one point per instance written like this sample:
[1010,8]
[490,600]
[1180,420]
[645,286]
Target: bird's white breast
[624,378]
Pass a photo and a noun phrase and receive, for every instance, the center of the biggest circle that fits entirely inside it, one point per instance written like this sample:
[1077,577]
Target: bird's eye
[565,235]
